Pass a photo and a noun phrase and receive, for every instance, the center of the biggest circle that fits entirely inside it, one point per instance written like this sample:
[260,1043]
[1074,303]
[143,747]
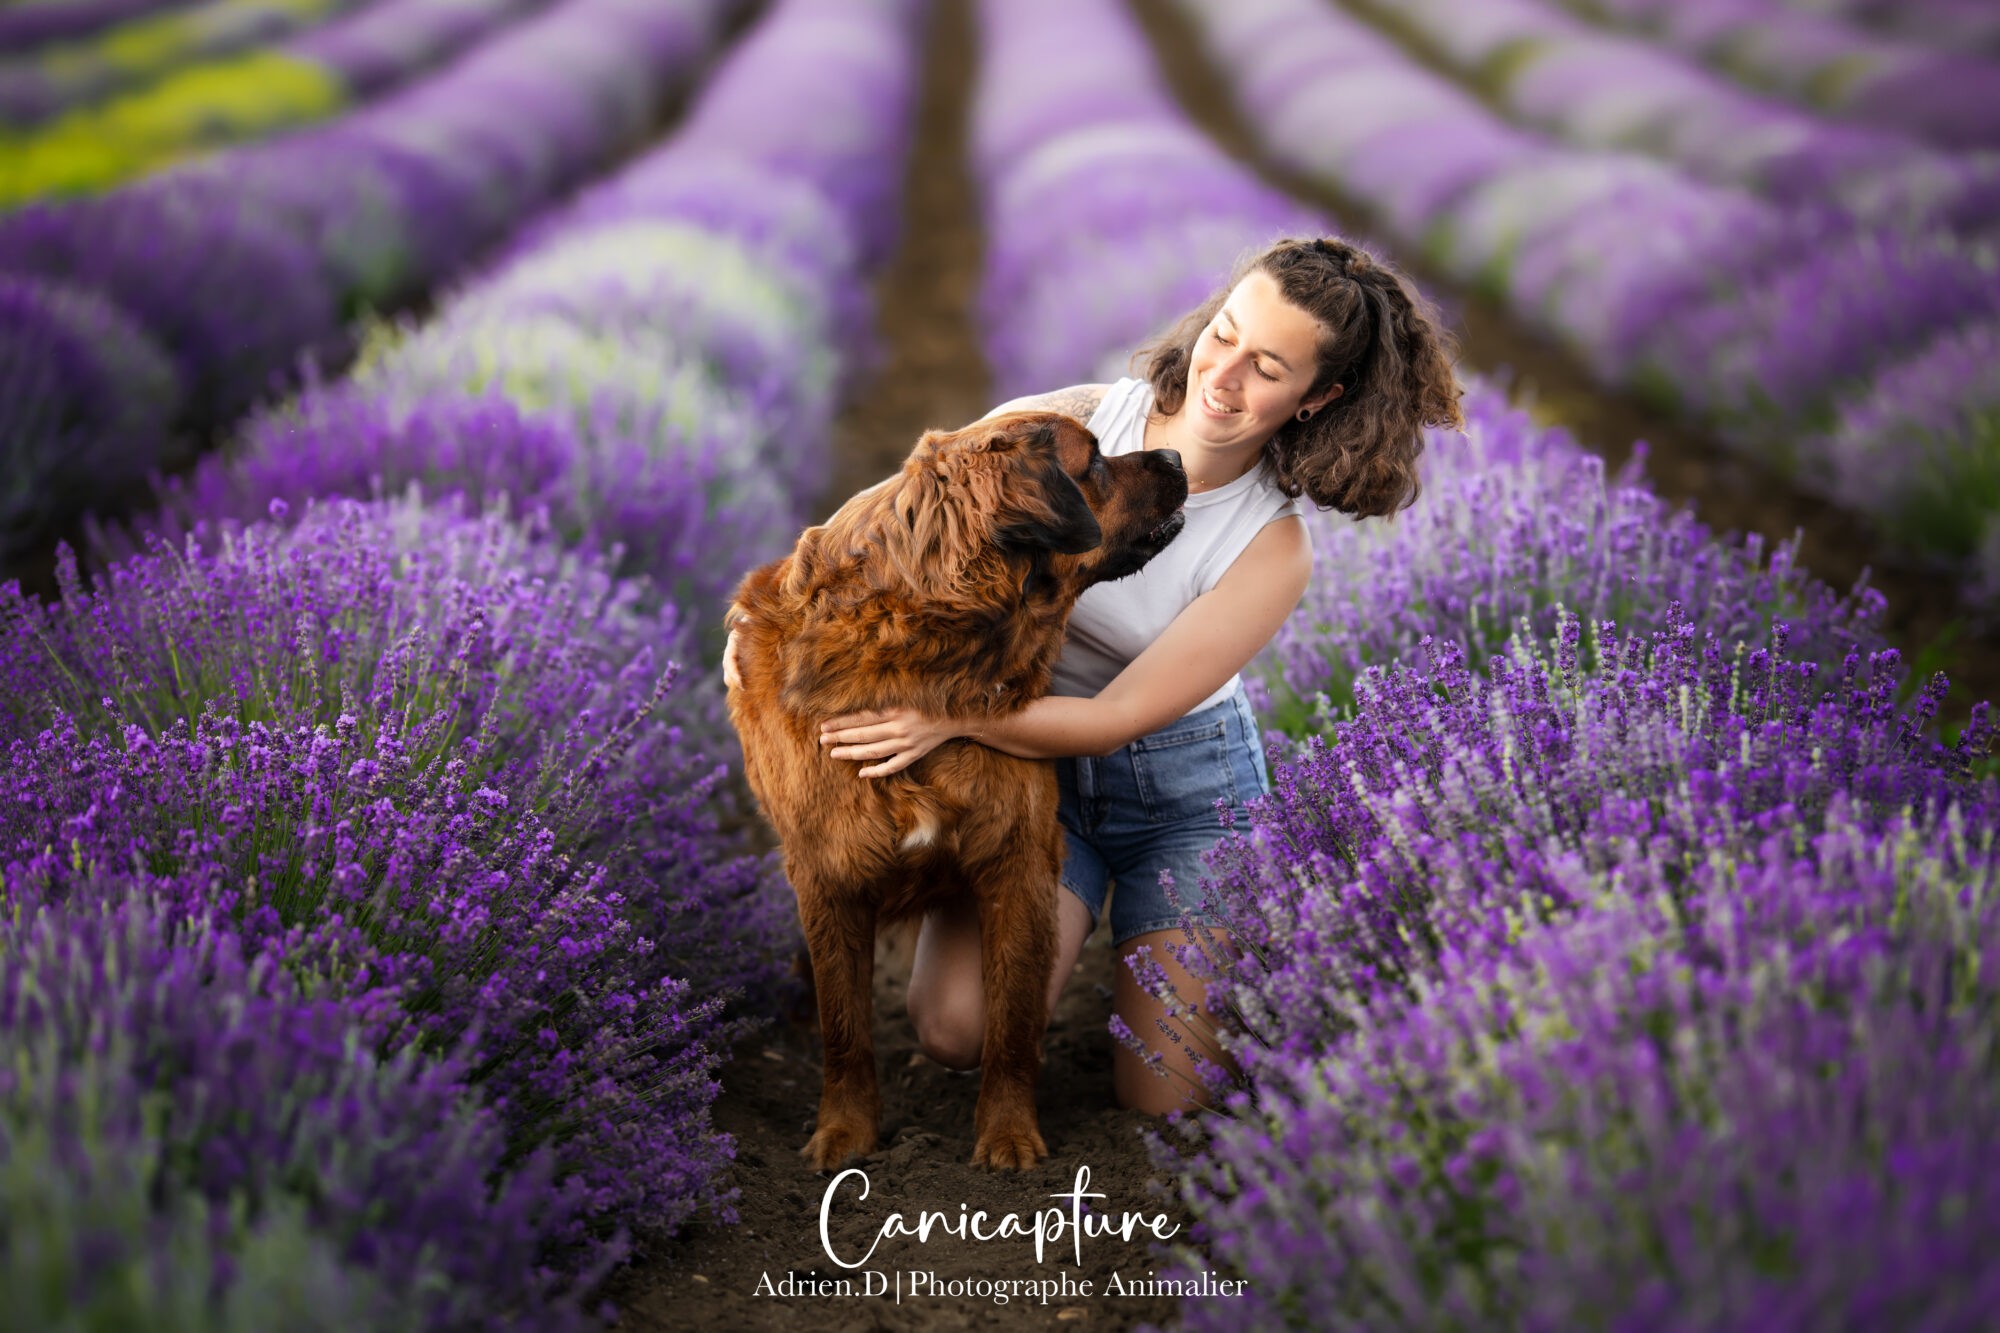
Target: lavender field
[392,392]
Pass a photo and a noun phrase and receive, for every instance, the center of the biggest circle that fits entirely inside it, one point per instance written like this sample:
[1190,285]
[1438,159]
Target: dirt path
[933,375]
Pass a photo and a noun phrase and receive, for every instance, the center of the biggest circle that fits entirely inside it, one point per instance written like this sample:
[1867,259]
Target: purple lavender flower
[1519,524]
[180,1116]
[1601,89]
[84,397]
[1544,969]
[385,43]
[151,251]
[568,686]
[1920,446]
[608,489]
[1965,25]
[1945,96]
[449,913]
[33,23]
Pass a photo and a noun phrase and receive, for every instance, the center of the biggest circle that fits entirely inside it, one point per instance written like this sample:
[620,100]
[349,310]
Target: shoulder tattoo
[1078,401]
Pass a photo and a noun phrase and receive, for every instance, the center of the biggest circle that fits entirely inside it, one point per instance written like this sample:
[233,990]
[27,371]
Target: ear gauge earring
[1304,414]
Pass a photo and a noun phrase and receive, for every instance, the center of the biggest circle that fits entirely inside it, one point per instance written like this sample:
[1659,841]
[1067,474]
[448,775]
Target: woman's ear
[1316,403]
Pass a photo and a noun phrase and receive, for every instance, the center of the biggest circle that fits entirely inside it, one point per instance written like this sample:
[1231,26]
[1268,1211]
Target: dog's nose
[1172,456]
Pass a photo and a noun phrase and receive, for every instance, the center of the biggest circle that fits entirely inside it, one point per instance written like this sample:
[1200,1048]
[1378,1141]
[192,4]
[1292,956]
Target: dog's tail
[924,823]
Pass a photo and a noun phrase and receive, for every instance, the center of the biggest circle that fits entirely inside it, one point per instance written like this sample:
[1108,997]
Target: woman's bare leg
[947,994]
[1135,1085]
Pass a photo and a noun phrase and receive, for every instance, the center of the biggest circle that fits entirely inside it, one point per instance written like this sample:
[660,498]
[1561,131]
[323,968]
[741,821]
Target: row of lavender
[1618,951]
[308,77]
[1583,85]
[375,823]
[38,84]
[139,321]
[1953,24]
[1930,89]
[27,24]
[1789,328]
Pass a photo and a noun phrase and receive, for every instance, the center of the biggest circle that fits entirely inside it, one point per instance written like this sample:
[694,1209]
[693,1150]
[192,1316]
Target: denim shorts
[1150,806]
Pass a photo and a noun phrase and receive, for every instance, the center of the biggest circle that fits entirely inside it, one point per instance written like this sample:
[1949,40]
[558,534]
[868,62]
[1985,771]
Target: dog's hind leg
[840,932]
[1018,935]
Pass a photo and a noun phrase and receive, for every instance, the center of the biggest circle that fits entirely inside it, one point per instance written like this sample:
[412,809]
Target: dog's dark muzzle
[1167,491]
[1154,487]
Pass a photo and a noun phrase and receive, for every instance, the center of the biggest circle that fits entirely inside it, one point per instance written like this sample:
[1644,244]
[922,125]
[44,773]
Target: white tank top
[1114,622]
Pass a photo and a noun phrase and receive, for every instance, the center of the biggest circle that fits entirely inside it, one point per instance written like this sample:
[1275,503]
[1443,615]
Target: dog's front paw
[831,1145]
[1010,1147]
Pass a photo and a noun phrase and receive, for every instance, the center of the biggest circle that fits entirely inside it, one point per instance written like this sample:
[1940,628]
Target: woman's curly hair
[1379,340]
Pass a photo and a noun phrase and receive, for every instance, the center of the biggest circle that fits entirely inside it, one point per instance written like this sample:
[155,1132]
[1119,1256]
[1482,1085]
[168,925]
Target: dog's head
[1031,488]
[966,563]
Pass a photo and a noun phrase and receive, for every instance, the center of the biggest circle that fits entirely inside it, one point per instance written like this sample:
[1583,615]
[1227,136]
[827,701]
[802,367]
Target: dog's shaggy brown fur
[946,589]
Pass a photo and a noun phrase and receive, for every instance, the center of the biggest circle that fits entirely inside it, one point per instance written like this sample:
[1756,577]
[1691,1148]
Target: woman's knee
[951,1033]
[946,1001]
[946,996]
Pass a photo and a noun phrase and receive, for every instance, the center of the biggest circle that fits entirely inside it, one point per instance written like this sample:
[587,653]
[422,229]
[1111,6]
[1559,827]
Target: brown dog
[947,589]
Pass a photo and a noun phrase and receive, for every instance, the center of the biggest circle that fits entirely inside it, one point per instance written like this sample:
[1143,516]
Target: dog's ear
[1071,529]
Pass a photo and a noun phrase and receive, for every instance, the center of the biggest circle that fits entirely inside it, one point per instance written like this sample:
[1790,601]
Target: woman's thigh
[1166,798]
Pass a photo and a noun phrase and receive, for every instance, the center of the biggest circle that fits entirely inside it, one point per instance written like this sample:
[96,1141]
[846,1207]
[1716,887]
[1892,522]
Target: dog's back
[906,837]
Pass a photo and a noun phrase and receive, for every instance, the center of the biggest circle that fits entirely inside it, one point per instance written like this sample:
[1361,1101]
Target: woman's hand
[897,737]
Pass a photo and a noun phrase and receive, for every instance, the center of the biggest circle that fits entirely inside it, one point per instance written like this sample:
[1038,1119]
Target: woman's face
[1251,366]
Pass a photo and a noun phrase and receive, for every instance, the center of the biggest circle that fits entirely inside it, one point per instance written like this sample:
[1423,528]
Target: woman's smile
[1214,408]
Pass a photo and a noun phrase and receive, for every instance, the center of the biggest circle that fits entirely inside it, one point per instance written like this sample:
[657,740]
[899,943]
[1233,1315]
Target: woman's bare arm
[1207,643]
[1078,400]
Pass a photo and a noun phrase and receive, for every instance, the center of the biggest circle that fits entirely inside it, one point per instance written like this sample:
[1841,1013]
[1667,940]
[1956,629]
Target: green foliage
[220,102]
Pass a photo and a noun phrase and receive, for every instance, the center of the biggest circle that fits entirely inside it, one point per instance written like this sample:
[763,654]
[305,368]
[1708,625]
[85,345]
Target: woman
[1313,374]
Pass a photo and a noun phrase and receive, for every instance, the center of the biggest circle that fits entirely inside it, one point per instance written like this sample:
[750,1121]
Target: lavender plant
[643,496]
[1846,71]
[316,74]
[1578,993]
[148,250]
[34,87]
[1921,444]
[35,23]
[79,383]
[1777,1113]
[656,436]
[1519,522]
[448,918]
[191,1138]
[1596,88]
[838,120]
[528,671]
[422,752]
